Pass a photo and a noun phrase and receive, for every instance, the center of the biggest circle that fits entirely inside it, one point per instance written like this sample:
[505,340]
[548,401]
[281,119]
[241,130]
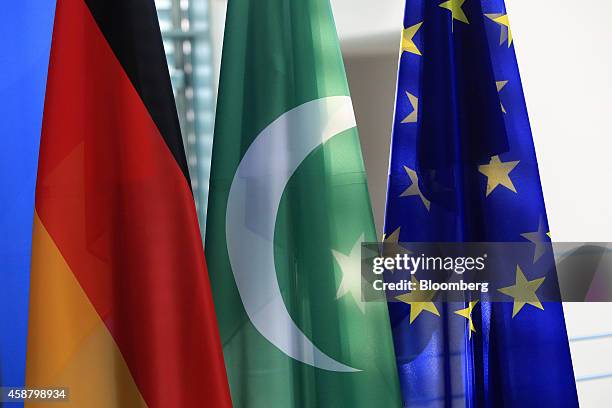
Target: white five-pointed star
[350,266]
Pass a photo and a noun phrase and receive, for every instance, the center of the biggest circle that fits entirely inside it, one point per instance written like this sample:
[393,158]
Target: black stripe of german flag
[129,27]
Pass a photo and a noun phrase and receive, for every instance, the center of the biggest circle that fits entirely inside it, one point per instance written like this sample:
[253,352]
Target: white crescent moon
[252,207]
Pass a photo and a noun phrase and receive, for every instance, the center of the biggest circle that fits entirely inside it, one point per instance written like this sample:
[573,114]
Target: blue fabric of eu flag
[463,169]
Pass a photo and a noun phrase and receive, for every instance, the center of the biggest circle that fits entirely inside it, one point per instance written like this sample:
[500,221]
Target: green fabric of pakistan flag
[287,212]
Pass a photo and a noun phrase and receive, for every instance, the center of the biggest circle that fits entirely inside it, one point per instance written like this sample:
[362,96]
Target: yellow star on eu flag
[467,313]
[408,34]
[504,23]
[457,12]
[498,173]
[419,301]
[414,189]
[414,115]
[392,238]
[500,85]
[523,292]
[539,239]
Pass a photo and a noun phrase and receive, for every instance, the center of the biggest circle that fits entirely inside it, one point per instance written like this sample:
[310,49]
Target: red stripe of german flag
[121,311]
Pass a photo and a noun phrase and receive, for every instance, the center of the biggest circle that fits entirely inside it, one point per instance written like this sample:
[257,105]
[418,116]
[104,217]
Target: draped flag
[288,210]
[463,168]
[121,312]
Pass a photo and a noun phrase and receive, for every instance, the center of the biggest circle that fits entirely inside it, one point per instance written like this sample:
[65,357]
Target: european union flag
[463,169]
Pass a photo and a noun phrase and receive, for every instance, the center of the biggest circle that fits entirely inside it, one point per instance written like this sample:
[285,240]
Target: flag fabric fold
[463,168]
[121,311]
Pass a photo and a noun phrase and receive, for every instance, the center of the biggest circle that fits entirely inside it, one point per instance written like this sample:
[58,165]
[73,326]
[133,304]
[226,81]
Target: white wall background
[564,50]
[565,54]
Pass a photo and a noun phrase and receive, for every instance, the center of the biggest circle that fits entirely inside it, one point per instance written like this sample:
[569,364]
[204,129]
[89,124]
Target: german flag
[121,311]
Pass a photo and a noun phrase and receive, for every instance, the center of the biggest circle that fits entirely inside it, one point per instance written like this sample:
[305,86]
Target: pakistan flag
[288,210]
